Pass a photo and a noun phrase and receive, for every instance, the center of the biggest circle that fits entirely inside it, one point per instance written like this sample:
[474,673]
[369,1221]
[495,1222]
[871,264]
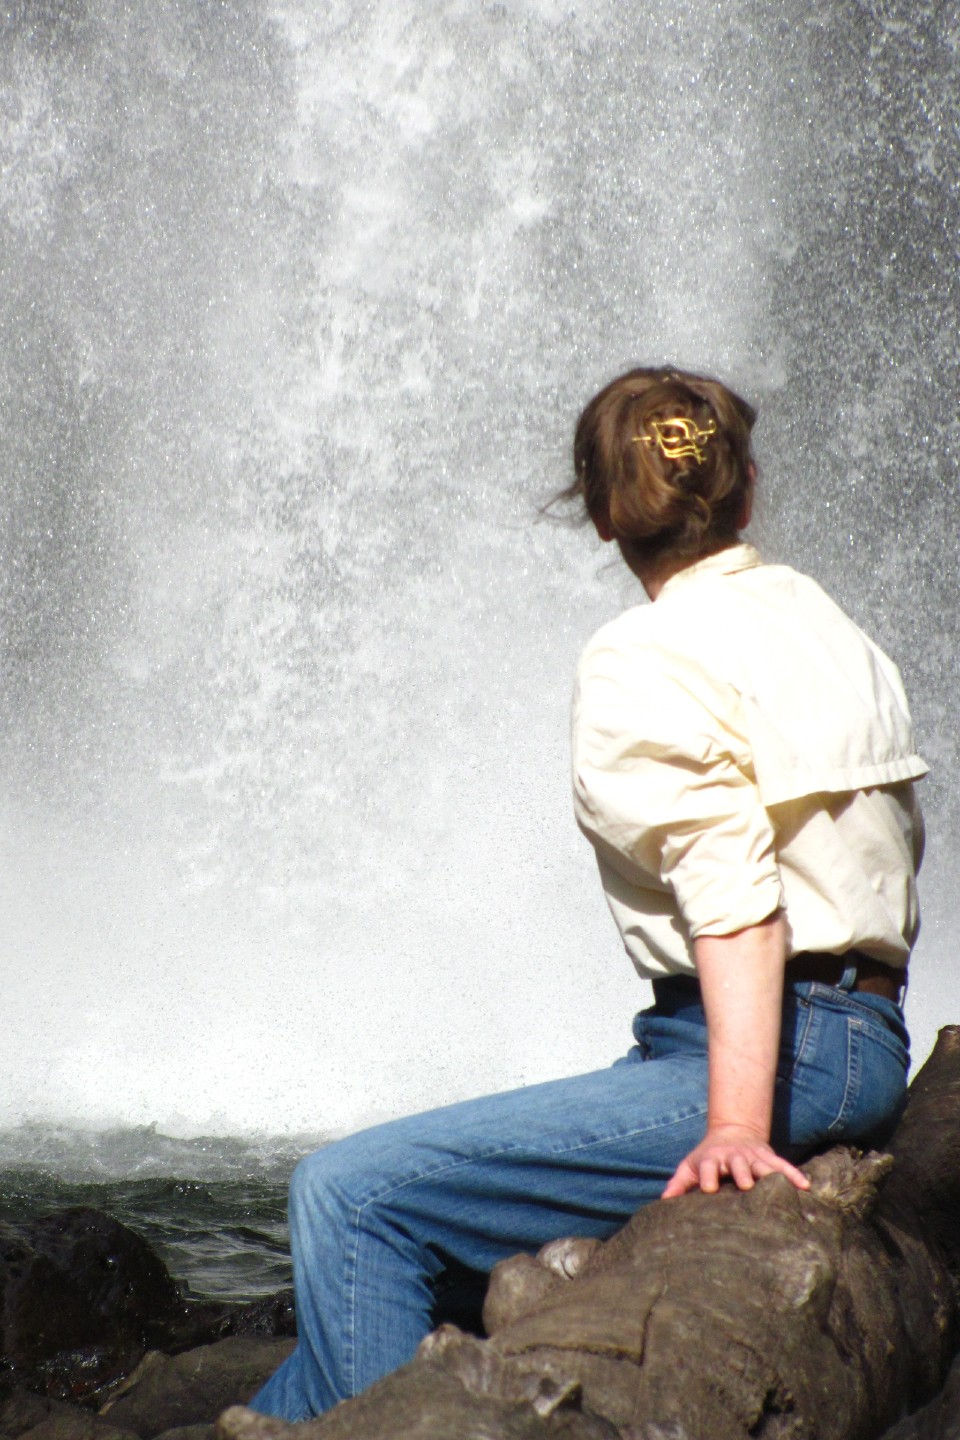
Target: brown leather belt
[872,975]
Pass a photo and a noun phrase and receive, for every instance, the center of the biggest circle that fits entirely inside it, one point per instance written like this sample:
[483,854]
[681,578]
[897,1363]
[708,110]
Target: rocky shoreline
[100,1343]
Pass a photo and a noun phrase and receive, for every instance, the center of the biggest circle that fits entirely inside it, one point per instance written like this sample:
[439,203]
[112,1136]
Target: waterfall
[300,302]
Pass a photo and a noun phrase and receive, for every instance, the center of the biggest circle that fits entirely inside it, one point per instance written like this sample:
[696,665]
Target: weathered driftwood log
[826,1313]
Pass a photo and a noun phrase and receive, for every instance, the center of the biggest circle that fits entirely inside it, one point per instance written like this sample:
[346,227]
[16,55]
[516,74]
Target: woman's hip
[842,1064]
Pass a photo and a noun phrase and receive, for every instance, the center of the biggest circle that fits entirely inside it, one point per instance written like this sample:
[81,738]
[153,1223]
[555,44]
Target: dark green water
[214,1209]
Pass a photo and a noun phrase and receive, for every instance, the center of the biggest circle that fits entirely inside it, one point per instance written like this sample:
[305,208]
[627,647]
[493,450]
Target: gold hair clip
[678,438]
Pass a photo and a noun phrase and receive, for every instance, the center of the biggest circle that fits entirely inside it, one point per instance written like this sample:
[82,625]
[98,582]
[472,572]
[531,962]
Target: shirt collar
[723,562]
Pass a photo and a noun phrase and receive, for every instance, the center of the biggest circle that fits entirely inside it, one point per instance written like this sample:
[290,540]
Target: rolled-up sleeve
[663,778]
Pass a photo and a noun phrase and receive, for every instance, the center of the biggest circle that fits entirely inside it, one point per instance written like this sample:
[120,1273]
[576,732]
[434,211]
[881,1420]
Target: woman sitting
[743,766]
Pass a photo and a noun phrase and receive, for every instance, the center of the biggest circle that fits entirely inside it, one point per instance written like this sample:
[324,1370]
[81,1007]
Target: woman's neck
[654,574]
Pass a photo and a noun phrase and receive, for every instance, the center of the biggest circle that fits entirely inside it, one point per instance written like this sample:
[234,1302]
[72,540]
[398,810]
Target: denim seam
[352,1266]
[885,1040]
[800,1049]
[854,1067]
[847,999]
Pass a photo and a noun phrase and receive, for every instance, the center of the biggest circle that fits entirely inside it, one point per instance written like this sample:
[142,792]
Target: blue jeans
[375,1217]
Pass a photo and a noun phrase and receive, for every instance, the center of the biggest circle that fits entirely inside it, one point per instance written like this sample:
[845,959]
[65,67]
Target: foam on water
[145,1153]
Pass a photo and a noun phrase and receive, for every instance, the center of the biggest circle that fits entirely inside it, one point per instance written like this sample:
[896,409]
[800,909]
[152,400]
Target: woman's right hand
[730,1151]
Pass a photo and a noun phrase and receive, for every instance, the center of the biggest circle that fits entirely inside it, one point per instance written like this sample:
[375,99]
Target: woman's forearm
[741,980]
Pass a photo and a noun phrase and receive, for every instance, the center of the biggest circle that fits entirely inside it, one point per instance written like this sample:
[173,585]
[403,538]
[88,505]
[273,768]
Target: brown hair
[654,502]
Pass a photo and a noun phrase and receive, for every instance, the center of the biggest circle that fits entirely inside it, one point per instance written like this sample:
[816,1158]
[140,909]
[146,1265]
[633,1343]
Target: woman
[743,764]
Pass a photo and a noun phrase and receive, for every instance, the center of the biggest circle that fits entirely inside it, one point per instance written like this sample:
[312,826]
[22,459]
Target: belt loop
[848,979]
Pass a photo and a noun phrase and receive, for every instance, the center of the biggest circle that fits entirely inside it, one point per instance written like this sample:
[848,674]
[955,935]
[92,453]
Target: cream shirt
[741,746]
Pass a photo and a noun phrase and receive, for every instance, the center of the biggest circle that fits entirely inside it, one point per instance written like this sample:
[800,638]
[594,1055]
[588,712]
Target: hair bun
[662,460]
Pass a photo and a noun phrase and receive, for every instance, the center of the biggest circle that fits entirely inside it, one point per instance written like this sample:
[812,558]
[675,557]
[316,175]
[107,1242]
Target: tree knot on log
[777,1403]
[482,1370]
[847,1179]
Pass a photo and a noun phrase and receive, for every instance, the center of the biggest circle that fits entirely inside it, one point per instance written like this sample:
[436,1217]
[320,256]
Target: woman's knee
[339,1176]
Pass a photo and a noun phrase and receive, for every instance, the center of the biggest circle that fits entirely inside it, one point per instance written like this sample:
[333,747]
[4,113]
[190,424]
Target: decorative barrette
[678,438]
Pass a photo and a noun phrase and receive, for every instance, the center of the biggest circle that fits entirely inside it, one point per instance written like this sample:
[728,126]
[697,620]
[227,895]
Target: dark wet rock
[168,1392]
[274,1315]
[23,1410]
[80,1295]
[189,1432]
[79,1424]
[25,1416]
[83,1297]
[86,1277]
